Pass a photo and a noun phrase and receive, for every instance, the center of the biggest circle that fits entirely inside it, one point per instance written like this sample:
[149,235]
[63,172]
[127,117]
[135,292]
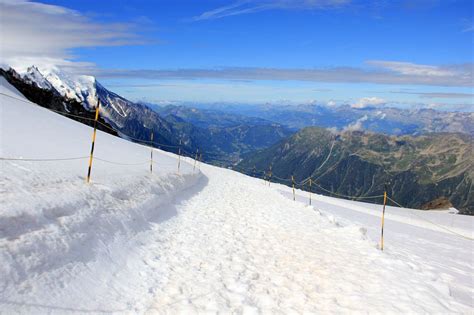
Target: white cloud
[357,125]
[412,69]
[37,33]
[331,103]
[389,72]
[368,102]
[253,6]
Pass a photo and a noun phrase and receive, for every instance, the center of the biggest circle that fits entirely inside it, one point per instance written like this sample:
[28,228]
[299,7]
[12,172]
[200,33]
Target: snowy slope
[199,241]
[442,240]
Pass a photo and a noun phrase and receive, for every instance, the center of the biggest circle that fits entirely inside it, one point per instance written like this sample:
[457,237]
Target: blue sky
[403,53]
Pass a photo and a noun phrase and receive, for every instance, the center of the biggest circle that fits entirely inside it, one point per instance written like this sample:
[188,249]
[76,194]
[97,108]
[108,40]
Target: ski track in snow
[197,242]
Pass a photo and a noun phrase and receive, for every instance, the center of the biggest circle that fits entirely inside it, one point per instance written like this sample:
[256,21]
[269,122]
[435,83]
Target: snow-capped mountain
[79,87]
[34,76]
[126,117]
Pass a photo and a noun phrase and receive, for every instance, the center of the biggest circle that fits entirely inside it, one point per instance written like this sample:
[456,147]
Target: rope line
[433,223]
[92,119]
[43,160]
[250,171]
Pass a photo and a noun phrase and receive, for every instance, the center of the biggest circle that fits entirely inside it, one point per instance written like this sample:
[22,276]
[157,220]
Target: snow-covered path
[169,242]
[258,251]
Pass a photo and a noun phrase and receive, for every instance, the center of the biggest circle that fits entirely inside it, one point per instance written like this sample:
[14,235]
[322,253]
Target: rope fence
[197,157]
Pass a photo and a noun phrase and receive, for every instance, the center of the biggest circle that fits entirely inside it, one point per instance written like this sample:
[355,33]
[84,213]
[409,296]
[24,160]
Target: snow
[441,240]
[207,240]
[33,75]
[79,87]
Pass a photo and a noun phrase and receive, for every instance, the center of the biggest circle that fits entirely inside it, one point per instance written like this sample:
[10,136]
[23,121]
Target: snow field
[258,252]
[196,242]
[416,237]
[53,226]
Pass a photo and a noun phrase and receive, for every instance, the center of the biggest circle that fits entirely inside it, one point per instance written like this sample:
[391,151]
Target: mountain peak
[34,76]
[79,87]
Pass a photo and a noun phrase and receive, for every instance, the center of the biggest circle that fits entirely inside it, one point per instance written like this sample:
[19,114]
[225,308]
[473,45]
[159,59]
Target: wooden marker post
[93,140]
[195,159]
[270,176]
[383,217]
[293,184]
[151,153]
[179,155]
[310,182]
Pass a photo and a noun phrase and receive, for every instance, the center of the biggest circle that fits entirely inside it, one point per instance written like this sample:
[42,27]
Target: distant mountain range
[226,136]
[387,120]
[417,170]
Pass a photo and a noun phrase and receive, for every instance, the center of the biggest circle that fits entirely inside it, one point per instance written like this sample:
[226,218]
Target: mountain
[222,136]
[387,120]
[40,91]
[211,118]
[225,136]
[417,170]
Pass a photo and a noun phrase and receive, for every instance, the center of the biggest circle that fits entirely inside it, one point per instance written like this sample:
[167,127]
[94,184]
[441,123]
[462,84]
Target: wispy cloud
[437,94]
[379,72]
[37,33]
[469,29]
[253,6]
[408,68]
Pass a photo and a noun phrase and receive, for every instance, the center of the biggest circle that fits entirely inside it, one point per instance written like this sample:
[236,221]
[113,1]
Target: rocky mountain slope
[226,136]
[416,170]
[223,141]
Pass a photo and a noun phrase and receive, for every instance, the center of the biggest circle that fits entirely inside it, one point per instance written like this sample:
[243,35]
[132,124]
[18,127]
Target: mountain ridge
[417,169]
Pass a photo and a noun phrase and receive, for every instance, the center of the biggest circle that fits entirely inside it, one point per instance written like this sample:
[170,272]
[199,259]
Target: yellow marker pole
[293,184]
[310,182]
[270,176]
[383,217]
[93,140]
[179,155]
[195,159]
[151,153]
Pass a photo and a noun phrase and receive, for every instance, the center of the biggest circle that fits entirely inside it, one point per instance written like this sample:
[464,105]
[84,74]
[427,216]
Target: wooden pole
[293,184]
[270,176]
[310,182]
[383,217]
[179,155]
[195,159]
[93,140]
[151,153]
